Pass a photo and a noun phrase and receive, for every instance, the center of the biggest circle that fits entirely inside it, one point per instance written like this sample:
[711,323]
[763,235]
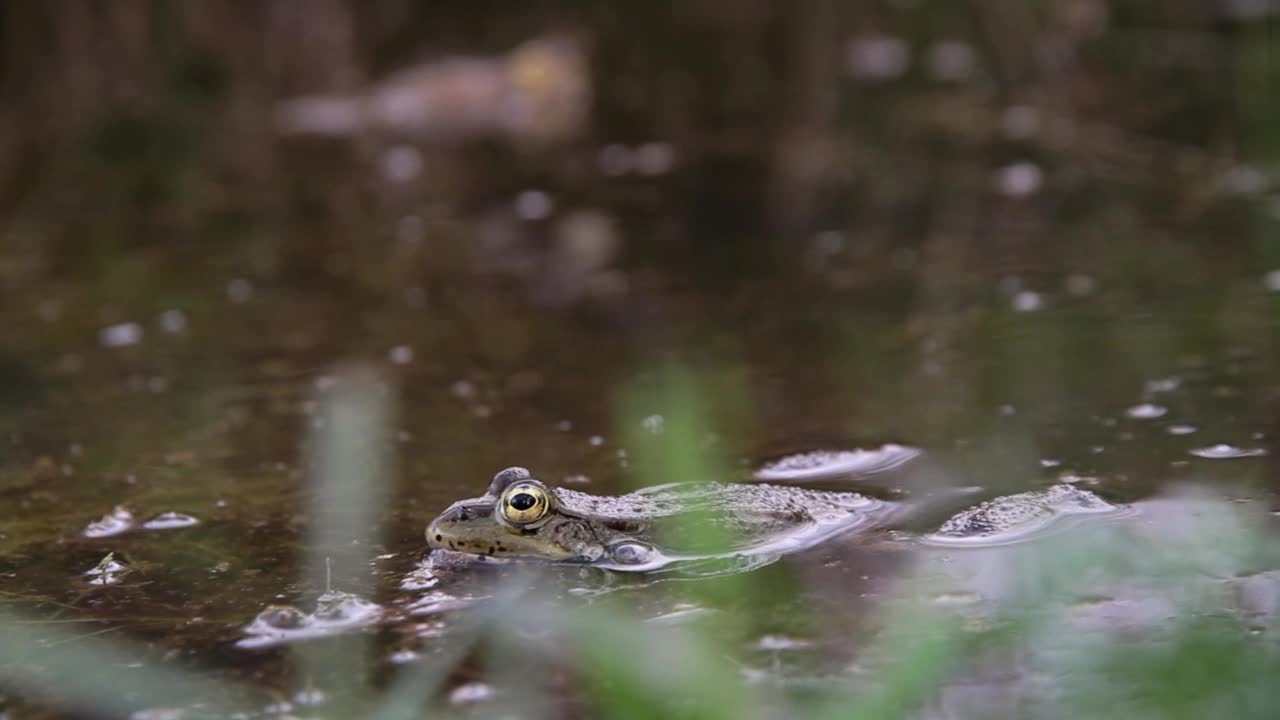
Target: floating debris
[117,521]
[170,521]
[1223,451]
[541,91]
[108,571]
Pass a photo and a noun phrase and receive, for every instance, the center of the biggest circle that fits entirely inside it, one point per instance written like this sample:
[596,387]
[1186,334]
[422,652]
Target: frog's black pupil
[523,501]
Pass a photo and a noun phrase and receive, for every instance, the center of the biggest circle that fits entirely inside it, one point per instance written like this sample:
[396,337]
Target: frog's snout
[457,527]
[435,538]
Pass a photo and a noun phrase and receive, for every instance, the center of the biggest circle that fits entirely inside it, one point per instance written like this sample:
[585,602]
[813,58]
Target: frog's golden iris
[526,503]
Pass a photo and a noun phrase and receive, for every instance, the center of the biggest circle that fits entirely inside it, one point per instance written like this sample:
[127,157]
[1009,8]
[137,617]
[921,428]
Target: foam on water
[1222,451]
[170,521]
[118,521]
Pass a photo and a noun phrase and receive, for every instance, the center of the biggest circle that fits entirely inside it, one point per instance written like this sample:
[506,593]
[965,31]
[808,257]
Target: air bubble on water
[120,335]
[1162,385]
[170,521]
[49,310]
[310,696]
[1223,451]
[596,440]
[400,355]
[1146,411]
[1019,179]
[773,642]
[1027,301]
[463,389]
[401,657]
[471,692]
[1081,284]
[401,163]
[1180,429]
[951,60]
[533,205]
[117,521]
[655,158]
[957,599]
[415,297]
[905,258]
[1020,122]
[830,242]
[615,159]
[655,424]
[1244,180]
[1050,462]
[481,410]
[877,57]
[239,290]
[173,321]
[1272,280]
[564,426]
[576,480]
[410,229]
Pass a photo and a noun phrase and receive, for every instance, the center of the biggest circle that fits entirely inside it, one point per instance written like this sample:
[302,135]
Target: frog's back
[1015,516]
[730,499]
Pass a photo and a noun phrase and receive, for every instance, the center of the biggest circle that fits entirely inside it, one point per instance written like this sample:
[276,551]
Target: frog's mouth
[471,528]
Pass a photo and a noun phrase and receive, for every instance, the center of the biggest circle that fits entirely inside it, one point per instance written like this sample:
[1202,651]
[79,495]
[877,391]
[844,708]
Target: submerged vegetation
[257,335]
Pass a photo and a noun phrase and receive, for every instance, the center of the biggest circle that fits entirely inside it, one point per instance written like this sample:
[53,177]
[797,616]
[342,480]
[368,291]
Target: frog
[520,517]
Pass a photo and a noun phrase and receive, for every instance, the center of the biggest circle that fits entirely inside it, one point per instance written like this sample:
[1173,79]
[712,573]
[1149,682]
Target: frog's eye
[525,503]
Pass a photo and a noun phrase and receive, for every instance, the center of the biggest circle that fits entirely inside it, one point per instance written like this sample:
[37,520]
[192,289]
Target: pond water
[241,371]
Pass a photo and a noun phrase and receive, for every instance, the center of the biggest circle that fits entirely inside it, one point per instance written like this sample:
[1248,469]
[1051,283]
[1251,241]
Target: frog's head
[518,516]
